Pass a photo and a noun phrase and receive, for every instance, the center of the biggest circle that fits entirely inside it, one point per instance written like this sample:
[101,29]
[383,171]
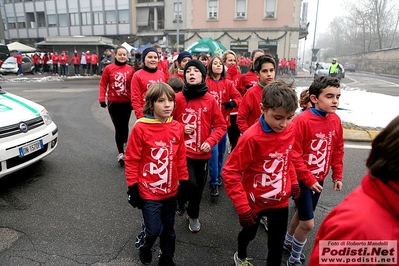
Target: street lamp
[314,37]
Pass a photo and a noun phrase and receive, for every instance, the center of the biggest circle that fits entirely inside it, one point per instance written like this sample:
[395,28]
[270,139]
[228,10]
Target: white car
[27,133]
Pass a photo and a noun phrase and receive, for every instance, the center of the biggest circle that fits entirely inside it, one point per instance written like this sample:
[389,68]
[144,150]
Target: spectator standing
[63,59]
[54,59]
[88,63]
[114,92]
[94,63]
[75,60]
[83,63]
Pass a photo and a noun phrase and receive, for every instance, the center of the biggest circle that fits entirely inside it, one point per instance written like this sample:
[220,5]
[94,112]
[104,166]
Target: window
[11,23]
[241,7]
[212,9]
[63,19]
[5,24]
[74,17]
[98,18]
[270,8]
[86,18]
[110,17]
[143,15]
[52,20]
[177,11]
[124,16]
[21,22]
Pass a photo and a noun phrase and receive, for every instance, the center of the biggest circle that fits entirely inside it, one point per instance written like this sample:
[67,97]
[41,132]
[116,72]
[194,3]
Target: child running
[155,163]
[204,127]
[249,111]
[227,98]
[319,145]
[259,175]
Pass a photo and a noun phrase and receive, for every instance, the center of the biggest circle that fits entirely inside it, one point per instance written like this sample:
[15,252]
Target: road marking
[352,146]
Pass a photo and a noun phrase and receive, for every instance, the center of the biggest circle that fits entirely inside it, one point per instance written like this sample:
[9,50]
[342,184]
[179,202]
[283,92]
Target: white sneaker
[240,262]
[120,158]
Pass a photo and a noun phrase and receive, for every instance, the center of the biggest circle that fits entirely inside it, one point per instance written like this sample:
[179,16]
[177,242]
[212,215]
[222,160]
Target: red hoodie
[233,74]
[258,174]
[141,81]
[319,145]
[156,158]
[223,91]
[369,213]
[205,115]
[247,81]
[249,109]
[115,81]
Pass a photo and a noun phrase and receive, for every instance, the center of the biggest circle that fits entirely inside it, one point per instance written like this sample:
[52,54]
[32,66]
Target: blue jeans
[216,161]
[159,221]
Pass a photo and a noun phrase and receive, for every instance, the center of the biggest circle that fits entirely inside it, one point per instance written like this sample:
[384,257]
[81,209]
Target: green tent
[208,46]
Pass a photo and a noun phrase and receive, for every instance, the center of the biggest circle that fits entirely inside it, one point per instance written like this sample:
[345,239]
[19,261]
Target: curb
[360,135]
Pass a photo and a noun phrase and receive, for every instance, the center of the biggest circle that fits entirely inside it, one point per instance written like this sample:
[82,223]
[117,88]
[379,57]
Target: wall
[380,62]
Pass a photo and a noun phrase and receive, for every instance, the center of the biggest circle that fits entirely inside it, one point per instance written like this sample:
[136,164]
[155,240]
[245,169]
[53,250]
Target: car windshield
[324,66]
[10,60]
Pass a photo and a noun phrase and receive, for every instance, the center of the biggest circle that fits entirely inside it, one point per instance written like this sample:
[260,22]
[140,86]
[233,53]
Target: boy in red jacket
[155,164]
[259,175]
[319,145]
[204,127]
[249,111]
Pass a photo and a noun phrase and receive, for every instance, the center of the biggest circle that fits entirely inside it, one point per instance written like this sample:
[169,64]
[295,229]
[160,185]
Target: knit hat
[183,55]
[146,51]
[198,64]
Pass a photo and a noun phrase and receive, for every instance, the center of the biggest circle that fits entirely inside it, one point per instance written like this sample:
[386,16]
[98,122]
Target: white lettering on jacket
[120,82]
[159,166]
[192,117]
[318,159]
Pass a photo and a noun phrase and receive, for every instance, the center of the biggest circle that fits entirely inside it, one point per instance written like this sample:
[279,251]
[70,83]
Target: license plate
[28,149]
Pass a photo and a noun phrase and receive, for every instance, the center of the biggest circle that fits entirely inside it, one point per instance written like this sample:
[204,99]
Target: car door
[26,65]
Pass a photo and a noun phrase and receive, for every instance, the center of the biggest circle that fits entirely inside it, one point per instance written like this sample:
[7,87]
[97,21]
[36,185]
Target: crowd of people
[186,109]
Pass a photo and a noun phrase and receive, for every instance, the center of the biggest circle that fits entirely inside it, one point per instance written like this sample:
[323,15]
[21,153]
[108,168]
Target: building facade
[240,25]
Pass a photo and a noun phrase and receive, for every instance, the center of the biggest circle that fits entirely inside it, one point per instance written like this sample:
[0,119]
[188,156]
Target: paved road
[71,208]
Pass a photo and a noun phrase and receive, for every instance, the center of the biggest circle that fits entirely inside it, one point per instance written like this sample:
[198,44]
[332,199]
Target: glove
[134,197]
[103,104]
[248,219]
[295,191]
[229,105]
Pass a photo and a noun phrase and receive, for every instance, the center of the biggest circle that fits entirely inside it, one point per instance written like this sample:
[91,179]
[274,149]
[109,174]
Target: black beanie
[146,51]
[183,55]
[198,64]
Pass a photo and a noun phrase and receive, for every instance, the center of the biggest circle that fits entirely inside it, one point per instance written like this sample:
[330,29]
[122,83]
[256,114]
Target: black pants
[77,69]
[63,69]
[233,131]
[191,190]
[277,222]
[120,116]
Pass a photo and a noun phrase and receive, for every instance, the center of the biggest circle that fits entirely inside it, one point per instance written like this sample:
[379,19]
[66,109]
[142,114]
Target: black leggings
[277,223]
[120,116]
[233,131]
[191,190]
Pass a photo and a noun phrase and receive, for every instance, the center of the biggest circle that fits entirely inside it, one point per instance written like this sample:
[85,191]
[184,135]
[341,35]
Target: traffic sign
[314,58]
[315,51]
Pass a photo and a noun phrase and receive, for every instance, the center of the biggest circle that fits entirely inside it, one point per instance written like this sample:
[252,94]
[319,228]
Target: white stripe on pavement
[352,146]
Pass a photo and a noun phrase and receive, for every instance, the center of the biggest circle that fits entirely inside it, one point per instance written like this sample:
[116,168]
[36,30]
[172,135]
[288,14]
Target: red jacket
[258,174]
[247,81]
[75,59]
[369,213]
[223,91]
[178,75]
[319,145]
[163,66]
[249,109]
[115,81]
[94,59]
[140,82]
[63,59]
[233,74]
[88,58]
[205,115]
[54,57]
[156,158]
[19,58]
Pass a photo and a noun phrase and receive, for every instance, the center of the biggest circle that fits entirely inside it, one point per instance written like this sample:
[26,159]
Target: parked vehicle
[322,69]
[4,52]
[350,67]
[10,66]
[27,133]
